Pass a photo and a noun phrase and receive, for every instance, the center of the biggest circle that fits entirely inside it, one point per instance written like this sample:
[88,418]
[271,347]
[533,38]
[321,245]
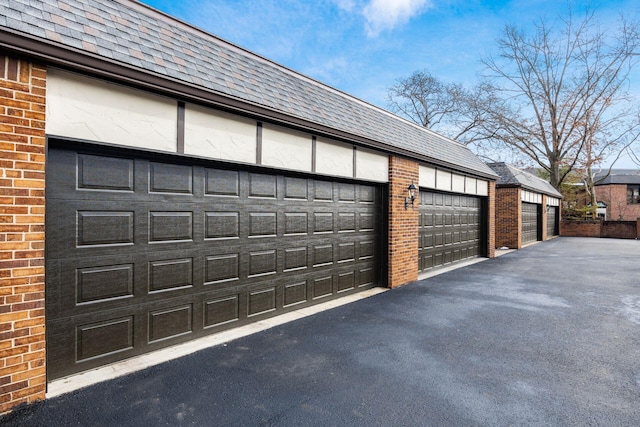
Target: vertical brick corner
[491,220]
[403,223]
[545,217]
[508,218]
[22,155]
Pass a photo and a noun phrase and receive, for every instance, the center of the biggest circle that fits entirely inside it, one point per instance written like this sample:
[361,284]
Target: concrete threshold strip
[456,266]
[118,369]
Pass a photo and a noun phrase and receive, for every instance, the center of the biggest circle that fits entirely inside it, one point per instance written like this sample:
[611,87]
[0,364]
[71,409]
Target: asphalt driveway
[548,335]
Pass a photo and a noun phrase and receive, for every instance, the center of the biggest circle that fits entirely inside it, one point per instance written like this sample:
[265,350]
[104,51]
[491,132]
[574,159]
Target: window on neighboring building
[633,194]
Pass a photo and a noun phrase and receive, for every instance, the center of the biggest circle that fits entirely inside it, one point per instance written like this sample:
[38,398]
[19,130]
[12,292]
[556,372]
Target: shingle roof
[617,176]
[511,176]
[140,37]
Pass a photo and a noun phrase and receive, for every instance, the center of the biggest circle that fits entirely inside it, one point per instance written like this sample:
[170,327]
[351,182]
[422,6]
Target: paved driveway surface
[549,335]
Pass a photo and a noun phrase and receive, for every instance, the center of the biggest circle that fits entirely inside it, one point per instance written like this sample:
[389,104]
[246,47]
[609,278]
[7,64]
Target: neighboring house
[189,186]
[619,190]
[527,207]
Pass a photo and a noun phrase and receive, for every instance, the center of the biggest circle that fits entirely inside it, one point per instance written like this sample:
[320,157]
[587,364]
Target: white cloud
[383,15]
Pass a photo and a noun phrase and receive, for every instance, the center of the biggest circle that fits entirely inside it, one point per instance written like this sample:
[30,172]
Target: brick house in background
[527,207]
[619,189]
[160,184]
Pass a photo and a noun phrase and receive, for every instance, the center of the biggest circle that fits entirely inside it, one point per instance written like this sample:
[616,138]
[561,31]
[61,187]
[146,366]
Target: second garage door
[146,252]
[530,223]
[450,229]
[552,221]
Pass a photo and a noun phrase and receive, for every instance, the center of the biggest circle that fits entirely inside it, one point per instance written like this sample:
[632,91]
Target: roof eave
[80,60]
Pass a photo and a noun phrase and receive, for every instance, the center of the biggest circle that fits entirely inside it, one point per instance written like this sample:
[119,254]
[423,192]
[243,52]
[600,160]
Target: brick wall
[597,228]
[619,229]
[491,218]
[615,197]
[545,218]
[508,222]
[22,155]
[403,223]
[580,228]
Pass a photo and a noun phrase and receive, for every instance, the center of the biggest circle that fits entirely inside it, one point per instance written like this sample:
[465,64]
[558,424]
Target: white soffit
[443,180]
[427,177]
[219,135]
[286,149]
[482,188]
[334,158]
[87,108]
[457,183]
[470,185]
[372,166]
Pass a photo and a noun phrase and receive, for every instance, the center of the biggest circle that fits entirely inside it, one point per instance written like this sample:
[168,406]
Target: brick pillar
[403,223]
[491,218]
[545,217]
[22,155]
[638,228]
[508,218]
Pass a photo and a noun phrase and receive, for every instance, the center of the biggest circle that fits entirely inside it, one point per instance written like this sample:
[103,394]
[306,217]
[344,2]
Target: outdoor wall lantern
[412,196]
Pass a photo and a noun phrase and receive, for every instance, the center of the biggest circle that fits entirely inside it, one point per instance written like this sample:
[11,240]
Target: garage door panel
[220,311]
[295,294]
[530,223]
[552,215]
[170,178]
[105,173]
[177,251]
[449,229]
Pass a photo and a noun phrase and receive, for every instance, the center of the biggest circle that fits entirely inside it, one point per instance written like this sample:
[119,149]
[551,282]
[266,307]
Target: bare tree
[562,96]
[425,100]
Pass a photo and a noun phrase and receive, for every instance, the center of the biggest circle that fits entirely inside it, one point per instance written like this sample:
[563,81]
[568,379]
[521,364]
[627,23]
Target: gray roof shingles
[141,37]
[617,176]
[512,176]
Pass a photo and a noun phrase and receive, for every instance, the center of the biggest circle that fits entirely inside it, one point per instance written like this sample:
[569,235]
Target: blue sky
[363,46]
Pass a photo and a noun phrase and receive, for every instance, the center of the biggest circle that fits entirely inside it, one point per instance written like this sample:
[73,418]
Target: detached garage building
[527,208]
[161,184]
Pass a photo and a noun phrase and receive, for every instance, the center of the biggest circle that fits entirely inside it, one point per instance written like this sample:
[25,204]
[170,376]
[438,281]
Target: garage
[552,221]
[527,207]
[167,185]
[530,223]
[450,229]
[145,251]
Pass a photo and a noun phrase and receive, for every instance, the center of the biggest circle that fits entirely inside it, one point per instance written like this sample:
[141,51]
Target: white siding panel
[87,108]
[470,185]
[482,188]
[531,197]
[219,135]
[334,158]
[427,177]
[372,166]
[443,180]
[286,149]
[457,183]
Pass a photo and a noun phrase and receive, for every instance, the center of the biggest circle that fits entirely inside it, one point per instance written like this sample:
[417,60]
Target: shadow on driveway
[548,335]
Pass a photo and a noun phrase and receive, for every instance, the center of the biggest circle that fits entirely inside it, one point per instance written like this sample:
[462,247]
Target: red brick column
[545,217]
[638,228]
[403,223]
[508,222]
[22,156]
[491,218]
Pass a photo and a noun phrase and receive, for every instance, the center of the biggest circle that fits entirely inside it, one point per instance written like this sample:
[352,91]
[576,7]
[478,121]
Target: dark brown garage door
[450,229]
[143,253]
[529,223]
[552,215]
